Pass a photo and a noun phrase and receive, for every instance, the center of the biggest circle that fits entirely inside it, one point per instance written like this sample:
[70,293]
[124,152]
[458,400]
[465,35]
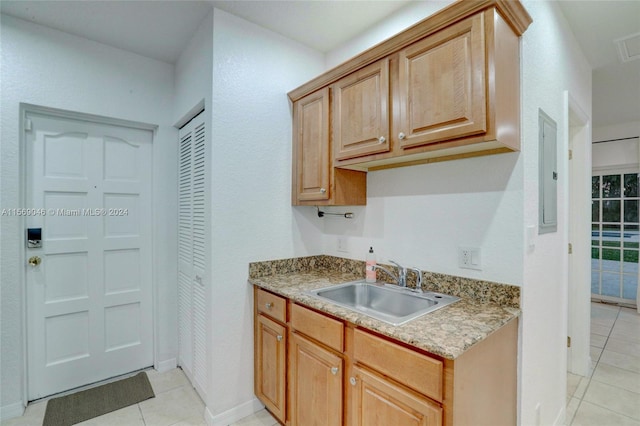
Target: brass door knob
[35,260]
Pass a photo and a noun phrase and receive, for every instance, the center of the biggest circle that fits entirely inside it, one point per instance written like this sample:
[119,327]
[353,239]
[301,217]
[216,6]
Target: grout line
[141,414]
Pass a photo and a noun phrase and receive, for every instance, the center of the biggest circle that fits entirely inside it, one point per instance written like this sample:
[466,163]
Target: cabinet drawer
[415,370]
[319,327]
[272,305]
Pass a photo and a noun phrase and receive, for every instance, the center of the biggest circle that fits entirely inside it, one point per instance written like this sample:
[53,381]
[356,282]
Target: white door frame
[25,109]
[578,135]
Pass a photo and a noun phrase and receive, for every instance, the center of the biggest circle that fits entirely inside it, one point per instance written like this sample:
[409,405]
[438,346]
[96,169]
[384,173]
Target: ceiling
[616,85]
[160,29]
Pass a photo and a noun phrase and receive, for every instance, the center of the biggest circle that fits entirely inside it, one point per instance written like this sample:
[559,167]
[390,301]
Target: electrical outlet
[343,246]
[469,258]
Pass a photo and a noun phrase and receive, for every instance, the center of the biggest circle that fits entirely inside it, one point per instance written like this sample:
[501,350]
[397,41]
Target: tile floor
[610,395]
[176,404]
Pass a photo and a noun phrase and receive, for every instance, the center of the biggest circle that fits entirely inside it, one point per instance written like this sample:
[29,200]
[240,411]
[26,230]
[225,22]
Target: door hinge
[570,154]
[570,248]
[568,341]
[28,124]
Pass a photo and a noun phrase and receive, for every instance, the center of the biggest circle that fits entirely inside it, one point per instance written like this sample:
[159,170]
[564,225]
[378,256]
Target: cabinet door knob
[353,381]
[334,370]
[401,135]
[279,338]
[268,305]
[382,139]
[322,190]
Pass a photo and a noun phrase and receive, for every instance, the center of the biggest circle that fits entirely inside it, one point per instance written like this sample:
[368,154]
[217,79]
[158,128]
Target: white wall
[194,71]
[391,25]
[54,69]
[551,63]
[629,129]
[617,152]
[253,220]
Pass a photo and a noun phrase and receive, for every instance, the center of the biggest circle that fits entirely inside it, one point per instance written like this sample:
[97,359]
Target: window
[614,236]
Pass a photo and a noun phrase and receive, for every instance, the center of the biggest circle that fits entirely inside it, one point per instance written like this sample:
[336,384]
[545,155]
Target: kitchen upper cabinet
[314,179]
[380,401]
[361,113]
[311,134]
[442,86]
[446,88]
[315,379]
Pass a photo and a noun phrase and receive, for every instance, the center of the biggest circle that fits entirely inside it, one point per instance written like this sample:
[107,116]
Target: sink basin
[386,302]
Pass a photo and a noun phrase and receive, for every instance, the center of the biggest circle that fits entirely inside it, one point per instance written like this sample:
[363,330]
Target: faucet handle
[402,269]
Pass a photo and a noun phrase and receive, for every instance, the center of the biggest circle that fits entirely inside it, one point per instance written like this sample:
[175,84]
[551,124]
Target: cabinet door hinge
[568,341]
[570,154]
[570,248]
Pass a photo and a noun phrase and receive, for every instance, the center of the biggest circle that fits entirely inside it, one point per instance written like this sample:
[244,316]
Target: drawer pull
[334,370]
[268,305]
[353,381]
[279,338]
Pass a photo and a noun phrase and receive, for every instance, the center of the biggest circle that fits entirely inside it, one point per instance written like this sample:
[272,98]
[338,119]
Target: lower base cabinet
[315,384]
[271,365]
[378,401]
[315,370]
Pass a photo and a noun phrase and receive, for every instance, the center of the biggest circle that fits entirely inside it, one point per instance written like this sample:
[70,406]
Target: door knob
[34,260]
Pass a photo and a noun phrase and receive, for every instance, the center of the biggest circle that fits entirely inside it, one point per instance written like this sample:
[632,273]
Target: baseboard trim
[12,410]
[561,417]
[233,415]
[166,365]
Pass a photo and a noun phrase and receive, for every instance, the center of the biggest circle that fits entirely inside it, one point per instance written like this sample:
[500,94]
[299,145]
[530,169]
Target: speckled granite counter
[447,332]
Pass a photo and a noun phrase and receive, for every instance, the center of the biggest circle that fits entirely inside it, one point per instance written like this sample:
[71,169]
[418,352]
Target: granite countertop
[447,332]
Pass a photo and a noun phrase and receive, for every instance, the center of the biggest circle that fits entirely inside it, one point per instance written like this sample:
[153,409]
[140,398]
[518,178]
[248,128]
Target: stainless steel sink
[386,302]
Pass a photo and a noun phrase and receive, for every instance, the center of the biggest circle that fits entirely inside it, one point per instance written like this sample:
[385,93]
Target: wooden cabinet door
[311,147]
[270,365]
[315,384]
[442,86]
[377,401]
[360,112]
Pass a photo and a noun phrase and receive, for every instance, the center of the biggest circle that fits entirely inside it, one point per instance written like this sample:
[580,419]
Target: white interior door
[89,300]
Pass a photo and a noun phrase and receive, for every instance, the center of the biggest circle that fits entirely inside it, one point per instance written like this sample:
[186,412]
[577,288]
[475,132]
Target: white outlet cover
[470,258]
[343,245]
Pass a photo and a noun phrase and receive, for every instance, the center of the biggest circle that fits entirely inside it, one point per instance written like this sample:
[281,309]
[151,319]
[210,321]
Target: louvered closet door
[193,248]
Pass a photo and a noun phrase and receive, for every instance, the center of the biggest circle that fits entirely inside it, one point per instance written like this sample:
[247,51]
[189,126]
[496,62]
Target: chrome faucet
[401,278]
[402,274]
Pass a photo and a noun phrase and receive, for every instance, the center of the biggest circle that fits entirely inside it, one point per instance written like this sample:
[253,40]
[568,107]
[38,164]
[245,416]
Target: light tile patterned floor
[175,404]
[610,395]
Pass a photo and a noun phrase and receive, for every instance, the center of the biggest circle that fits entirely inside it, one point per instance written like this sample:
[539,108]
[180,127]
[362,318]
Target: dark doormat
[90,403]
